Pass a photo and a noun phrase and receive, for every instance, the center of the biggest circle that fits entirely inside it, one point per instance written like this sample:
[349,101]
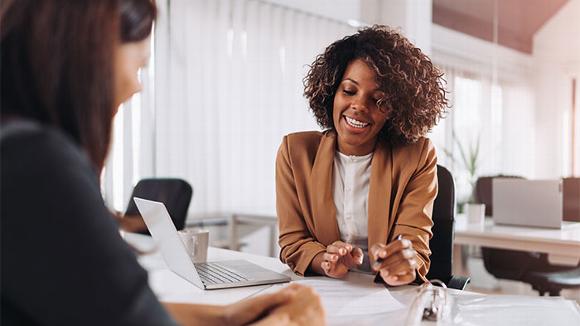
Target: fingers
[339,257]
[340,248]
[396,280]
[304,309]
[407,278]
[358,255]
[396,258]
[347,253]
[292,288]
[400,266]
[251,309]
[334,269]
[306,292]
[380,250]
[268,301]
[330,257]
[274,319]
[283,313]
[355,257]
[396,262]
[329,261]
[327,266]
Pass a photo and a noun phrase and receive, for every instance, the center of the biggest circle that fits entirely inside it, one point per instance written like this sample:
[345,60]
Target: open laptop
[208,276]
[527,202]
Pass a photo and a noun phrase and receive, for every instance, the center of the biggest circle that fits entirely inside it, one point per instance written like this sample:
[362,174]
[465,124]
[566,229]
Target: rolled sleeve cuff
[301,259]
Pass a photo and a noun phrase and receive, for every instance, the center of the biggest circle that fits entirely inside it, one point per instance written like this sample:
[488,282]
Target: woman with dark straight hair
[66,66]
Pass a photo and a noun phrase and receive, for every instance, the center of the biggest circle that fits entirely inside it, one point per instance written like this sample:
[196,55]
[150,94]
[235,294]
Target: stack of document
[354,295]
[355,299]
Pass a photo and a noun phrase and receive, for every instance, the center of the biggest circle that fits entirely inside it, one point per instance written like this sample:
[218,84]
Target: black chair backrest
[441,243]
[174,193]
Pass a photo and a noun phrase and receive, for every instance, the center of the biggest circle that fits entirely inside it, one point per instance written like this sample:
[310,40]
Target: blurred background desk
[237,219]
[229,228]
[516,259]
[561,245]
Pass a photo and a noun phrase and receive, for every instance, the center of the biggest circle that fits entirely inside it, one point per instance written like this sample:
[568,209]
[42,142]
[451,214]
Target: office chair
[174,193]
[441,243]
[501,263]
[553,282]
[529,267]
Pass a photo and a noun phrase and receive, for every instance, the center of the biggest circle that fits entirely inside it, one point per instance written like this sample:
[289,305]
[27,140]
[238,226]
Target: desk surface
[468,308]
[562,245]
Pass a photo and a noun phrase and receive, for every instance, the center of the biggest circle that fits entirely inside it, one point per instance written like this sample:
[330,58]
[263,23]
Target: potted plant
[469,159]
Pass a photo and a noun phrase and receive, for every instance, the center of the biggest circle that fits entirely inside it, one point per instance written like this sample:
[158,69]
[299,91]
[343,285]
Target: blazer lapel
[321,198]
[379,195]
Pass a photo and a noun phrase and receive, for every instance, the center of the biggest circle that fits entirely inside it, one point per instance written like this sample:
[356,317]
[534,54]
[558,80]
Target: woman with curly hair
[359,195]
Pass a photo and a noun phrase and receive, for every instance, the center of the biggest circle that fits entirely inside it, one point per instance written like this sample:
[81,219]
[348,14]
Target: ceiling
[518,20]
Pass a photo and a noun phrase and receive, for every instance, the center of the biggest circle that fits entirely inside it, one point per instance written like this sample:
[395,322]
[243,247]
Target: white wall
[411,17]
[518,133]
[343,10]
[556,60]
[469,53]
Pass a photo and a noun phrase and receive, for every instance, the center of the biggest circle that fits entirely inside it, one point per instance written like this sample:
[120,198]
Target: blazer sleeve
[414,219]
[298,246]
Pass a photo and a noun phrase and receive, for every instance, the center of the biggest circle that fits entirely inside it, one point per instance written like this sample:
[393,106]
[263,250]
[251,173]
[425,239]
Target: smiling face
[356,113]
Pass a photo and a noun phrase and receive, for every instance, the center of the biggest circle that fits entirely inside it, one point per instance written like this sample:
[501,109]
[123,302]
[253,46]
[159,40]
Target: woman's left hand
[399,262]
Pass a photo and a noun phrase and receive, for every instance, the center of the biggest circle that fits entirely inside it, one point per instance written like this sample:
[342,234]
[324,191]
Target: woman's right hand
[293,305]
[304,309]
[337,260]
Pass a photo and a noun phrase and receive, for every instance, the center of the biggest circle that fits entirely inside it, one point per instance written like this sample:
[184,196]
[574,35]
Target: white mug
[196,243]
[475,213]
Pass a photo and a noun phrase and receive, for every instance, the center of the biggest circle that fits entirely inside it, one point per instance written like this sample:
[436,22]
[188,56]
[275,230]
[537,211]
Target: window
[472,129]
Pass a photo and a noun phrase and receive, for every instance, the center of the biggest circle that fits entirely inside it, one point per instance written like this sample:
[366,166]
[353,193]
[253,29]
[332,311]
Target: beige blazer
[403,186]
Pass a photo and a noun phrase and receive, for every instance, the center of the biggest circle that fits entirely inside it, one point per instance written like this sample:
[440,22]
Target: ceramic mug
[196,243]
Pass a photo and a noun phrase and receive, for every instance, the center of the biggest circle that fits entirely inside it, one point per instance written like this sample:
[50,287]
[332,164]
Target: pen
[379,260]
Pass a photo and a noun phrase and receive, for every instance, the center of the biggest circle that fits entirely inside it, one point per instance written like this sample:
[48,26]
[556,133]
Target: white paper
[355,295]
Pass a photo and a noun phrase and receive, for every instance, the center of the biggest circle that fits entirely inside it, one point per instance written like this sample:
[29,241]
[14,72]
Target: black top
[62,259]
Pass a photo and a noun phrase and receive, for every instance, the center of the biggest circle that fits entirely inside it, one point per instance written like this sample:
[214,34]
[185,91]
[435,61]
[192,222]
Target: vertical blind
[224,86]
[471,128]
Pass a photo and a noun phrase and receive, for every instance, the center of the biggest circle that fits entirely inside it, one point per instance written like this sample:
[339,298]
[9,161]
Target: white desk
[562,246]
[468,308]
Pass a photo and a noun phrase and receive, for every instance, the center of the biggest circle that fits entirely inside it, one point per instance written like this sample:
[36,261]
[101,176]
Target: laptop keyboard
[214,273]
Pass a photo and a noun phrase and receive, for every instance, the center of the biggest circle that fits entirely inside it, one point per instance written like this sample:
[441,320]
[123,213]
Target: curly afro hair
[412,84]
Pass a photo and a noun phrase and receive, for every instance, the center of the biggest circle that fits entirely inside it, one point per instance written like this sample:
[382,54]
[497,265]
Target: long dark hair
[56,61]
[137,17]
